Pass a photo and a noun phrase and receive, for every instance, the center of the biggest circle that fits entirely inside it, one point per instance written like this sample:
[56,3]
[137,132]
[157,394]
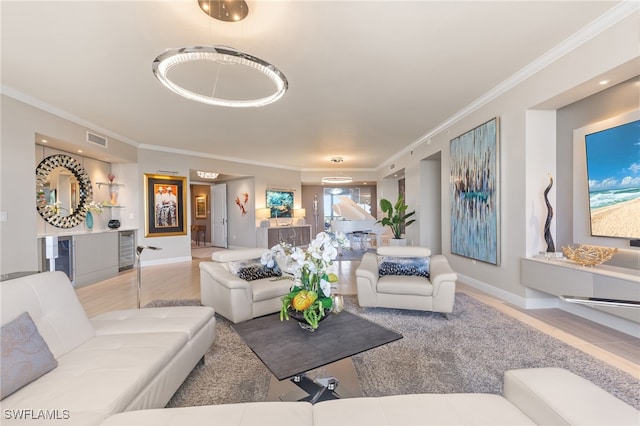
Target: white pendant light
[224,56]
[336,179]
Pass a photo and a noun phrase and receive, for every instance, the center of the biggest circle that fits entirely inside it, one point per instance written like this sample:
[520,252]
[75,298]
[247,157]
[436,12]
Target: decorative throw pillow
[253,269]
[391,265]
[25,354]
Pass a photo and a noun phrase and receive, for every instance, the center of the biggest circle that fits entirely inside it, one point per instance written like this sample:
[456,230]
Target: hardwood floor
[182,281]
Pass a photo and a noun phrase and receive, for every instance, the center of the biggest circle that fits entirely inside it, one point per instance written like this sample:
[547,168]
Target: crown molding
[40,104]
[602,23]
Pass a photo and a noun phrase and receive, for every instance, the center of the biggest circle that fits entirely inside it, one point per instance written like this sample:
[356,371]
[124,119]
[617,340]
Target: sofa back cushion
[52,303]
[237,254]
[404,251]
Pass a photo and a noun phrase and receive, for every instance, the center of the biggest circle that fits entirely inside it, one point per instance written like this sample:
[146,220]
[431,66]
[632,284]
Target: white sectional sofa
[539,396]
[122,367]
[119,361]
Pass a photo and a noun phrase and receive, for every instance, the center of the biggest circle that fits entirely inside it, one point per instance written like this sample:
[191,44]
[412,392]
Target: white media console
[562,277]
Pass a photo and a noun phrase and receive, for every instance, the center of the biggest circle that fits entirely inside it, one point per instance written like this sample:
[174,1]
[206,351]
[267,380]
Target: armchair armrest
[367,280]
[368,268]
[223,277]
[443,279]
[441,273]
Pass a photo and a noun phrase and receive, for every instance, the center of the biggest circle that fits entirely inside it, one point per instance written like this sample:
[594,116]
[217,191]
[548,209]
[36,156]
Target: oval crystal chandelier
[225,56]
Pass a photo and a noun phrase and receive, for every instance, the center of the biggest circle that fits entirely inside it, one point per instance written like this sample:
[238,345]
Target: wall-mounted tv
[613,173]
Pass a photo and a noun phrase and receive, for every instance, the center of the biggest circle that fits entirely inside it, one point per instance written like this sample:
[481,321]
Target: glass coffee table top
[289,351]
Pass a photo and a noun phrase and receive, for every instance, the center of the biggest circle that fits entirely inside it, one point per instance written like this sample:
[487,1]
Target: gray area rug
[468,353]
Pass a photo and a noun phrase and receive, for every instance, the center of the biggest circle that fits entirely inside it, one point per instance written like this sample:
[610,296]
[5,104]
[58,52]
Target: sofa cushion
[53,305]
[185,319]
[393,265]
[244,414]
[422,409]
[223,256]
[559,397]
[403,251]
[25,354]
[270,288]
[102,376]
[408,285]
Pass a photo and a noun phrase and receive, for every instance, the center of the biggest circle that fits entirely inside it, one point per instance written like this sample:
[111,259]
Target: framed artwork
[474,193]
[201,207]
[280,203]
[242,201]
[165,205]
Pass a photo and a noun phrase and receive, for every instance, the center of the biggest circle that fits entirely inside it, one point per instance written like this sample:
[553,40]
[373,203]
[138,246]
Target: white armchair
[435,293]
[233,297]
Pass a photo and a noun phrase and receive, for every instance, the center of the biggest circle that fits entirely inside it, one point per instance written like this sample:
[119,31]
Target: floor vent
[96,139]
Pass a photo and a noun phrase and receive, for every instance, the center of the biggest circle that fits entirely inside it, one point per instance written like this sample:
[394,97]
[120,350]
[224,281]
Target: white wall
[431,209]
[20,124]
[525,119]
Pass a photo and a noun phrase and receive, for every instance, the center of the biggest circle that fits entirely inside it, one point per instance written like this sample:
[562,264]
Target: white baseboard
[144,263]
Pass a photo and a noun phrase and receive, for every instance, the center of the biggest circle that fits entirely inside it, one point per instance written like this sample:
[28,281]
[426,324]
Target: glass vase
[113,195]
[89,221]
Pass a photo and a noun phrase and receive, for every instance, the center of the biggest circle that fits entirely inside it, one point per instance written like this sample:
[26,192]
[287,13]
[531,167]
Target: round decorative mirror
[63,191]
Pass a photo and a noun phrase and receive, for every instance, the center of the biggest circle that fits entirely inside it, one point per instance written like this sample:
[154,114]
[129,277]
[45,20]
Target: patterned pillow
[25,354]
[391,265]
[253,269]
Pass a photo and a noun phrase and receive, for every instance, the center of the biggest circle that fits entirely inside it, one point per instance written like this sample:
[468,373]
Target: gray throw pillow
[25,354]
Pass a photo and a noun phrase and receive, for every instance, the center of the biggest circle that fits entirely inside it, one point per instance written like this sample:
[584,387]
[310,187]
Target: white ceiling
[367,79]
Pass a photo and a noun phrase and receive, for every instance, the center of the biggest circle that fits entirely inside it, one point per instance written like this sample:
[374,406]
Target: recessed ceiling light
[44,141]
[603,82]
[79,151]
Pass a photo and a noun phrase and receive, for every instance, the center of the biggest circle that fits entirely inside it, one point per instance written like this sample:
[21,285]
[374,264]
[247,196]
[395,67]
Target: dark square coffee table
[289,352]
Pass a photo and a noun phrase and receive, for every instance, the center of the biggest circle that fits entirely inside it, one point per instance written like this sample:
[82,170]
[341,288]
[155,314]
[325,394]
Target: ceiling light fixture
[225,10]
[337,179]
[223,56]
[207,175]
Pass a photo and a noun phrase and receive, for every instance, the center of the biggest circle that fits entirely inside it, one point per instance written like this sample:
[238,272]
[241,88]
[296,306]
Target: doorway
[200,215]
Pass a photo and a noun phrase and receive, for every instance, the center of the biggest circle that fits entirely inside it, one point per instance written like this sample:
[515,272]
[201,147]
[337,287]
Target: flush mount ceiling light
[207,175]
[224,56]
[225,10]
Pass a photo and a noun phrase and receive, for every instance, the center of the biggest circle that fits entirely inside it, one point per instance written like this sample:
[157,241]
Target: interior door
[219,215]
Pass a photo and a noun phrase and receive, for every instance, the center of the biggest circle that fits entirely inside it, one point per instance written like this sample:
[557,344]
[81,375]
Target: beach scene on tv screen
[613,170]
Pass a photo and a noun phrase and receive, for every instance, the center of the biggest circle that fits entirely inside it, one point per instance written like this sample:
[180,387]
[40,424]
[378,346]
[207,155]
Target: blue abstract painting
[474,195]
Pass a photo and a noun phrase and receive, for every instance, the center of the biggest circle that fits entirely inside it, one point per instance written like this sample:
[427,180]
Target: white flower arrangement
[313,271]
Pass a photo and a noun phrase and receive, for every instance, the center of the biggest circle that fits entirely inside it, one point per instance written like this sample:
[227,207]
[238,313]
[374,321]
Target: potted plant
[397,216]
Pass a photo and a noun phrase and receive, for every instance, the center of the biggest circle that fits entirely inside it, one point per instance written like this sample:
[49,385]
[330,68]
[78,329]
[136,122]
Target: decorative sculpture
[551,248]
[315,209]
